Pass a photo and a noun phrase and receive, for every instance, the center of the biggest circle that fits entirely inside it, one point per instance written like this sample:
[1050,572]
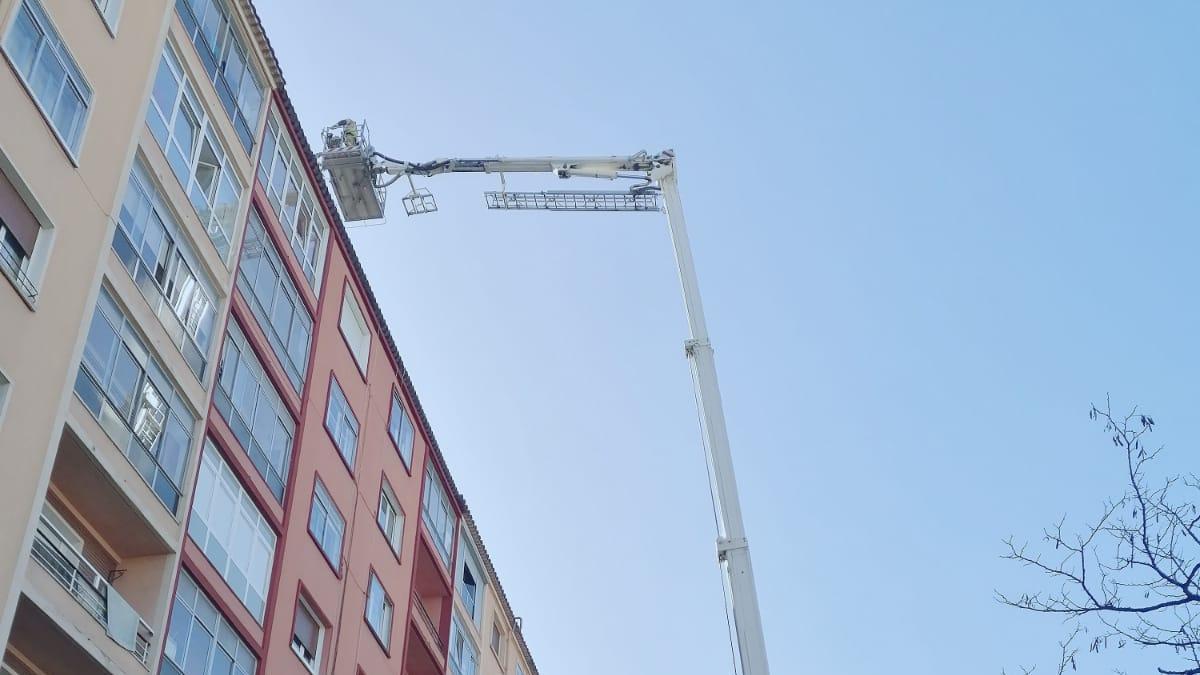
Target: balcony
[143,278]
[12,269]
[91,590]
[428,624]
[426,652]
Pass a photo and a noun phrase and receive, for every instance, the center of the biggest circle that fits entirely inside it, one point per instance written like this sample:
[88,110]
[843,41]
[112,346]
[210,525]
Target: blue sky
[929,234]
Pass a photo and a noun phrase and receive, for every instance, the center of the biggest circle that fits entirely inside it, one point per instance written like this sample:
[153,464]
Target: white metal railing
[83,581]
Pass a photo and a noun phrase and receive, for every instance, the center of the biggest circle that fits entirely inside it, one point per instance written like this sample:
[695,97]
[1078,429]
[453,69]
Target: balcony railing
[424,614]
[12,269]
[77,576]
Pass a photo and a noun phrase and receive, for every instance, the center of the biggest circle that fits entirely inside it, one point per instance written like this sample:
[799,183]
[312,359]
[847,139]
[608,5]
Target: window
[400,429]
[5,386]
[390,518]
[231,531]
[499,639]
[185,133]
[134,401]
[306,636]
[200,641]
[519,670]
[274,301]
[50,74]
[212,28]
[354,329]
[435,510]
[19,234]
[282,173]
[464,658]
[109,11]
[163,265]
[468,589]
[326,525]
[341,423]
[379,611]
[248,402]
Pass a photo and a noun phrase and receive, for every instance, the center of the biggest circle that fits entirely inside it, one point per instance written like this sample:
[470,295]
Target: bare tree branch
[1135,571]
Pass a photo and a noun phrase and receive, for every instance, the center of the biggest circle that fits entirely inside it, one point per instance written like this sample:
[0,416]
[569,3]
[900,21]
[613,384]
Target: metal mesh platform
[573,201]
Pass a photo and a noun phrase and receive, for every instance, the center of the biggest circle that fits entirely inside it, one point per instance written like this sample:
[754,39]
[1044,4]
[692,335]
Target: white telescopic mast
[357,173]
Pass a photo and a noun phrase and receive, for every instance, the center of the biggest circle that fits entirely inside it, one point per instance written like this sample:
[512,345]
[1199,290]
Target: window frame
[347,417]
[175,255]
[223,627]
[303,605]
[388,607]
[398,436]
[280,167]
[15,265]
[230,386]
[350,301]
[164,127]
[216,60]
[395,538]
[110,13]
[498,639]
[48,36]
[469,563]
[453,659]
[226,478]
[6,389]
[321,496]
[129,355]
[443,541]
[283,288]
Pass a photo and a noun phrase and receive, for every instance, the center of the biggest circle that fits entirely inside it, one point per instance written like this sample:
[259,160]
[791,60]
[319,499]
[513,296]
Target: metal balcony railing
[77,576]
[424,614]
[12,269]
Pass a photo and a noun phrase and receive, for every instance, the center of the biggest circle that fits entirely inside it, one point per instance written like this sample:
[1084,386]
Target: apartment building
[215,459]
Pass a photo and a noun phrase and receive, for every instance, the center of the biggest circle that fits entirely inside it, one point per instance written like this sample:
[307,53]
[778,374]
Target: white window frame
[442,533]
[110,11]
[393,531]
[284,177]
[246,397]
[460,637]
[193,606]
[267,287]
[178,277]
[340,423]
[241,507]
[48,42]
[360,342]
[333,517]
[470,562]
[315,663]
[219,220]
[216,49]
[387,606]
[402,431]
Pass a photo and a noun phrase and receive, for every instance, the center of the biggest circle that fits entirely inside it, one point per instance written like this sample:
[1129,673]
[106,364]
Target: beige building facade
[188,425]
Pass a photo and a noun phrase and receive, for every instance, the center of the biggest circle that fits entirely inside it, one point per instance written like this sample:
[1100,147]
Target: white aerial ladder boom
[360,176]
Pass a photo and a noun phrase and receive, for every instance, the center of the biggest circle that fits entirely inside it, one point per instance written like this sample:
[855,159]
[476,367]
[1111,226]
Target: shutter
[17,217]
[306,630]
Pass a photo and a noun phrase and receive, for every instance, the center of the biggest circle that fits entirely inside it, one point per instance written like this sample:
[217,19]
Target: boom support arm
[358,174]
